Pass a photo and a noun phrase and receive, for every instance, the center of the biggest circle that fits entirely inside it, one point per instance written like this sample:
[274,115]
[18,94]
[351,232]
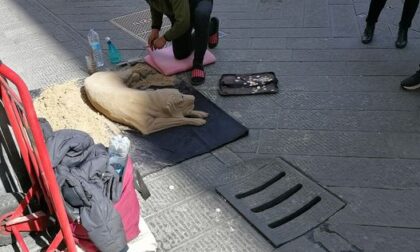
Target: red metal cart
[20,112]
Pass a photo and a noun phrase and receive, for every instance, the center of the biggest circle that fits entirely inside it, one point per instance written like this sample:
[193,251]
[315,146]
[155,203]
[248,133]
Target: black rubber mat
[248,84]
[277,199]
[171,146]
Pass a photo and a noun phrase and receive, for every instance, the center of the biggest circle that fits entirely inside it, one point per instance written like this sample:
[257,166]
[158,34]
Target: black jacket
[89,186]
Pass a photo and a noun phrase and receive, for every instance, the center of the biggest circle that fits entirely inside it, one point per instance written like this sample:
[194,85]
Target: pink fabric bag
[164,61]
[128,207]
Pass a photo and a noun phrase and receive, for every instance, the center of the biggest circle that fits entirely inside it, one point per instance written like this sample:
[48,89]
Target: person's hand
[152,37]
[159,43]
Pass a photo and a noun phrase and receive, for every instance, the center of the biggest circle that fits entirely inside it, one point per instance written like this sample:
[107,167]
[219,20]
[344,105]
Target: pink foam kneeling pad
[164,61]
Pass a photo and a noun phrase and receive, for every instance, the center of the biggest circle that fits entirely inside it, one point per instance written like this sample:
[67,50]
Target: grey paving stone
[256,118]
[279,22]
[330,240]
[235,235]
[59,10]
[225,155]
[304,68]
[251,43]
[253,55]
[349,2]
[360,172]
[372,239]
[190,219]
[268,43]
[343,21]
[331,143]
[386,68]
[355,55]
[325,143]
[302,244]
[316,13]
[345,120]
[348,101]
[246,144]
[364,84]
[403,144]
[249,156]
[378,207]
[229,67]
[75,18]
[175,184]
[380,42]
[97,25]
[278,32]
[231,43]
[172,187]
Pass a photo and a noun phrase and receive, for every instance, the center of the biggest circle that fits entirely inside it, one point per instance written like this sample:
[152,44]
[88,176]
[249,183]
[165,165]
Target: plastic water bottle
[119,147]
[113,53]
[95,44]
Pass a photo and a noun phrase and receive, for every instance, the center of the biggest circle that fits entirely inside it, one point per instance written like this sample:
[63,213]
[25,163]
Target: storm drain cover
[277,199]
[138,24]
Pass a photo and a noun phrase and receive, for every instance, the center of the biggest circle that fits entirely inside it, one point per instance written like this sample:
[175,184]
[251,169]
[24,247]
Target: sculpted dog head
[175,103]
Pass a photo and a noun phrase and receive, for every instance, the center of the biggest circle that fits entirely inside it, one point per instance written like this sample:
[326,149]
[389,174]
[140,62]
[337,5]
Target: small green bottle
[114,54]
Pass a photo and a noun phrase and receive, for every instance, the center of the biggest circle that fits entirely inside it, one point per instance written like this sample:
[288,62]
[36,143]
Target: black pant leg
[375,8]
[410,8]
[201,11]
[182,46]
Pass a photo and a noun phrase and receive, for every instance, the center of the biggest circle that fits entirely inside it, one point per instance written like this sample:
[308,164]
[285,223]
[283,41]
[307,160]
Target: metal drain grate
[277,199]
[138,24]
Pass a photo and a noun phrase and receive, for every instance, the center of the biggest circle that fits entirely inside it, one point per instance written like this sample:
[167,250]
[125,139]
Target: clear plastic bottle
[95,44]
[114,54]
[119,147]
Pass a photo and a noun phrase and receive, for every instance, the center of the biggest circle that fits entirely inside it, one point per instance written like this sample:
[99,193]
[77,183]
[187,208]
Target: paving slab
[360,172]
[373,238]
[366,206]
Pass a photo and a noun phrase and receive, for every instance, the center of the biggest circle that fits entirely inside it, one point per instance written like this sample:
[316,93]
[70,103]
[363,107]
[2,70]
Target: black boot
[402,38]
[368,33]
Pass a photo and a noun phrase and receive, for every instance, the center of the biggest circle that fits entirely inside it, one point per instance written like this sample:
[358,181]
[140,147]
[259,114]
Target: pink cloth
[128,207]
[164,61]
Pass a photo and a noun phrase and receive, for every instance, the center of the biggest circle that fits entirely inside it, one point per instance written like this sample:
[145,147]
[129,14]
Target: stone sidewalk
[340,115]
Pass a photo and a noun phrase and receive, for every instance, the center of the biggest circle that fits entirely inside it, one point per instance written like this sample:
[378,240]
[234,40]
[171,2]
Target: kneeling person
[184,16]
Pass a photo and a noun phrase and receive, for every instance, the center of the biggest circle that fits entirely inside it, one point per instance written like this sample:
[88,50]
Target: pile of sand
[66,107]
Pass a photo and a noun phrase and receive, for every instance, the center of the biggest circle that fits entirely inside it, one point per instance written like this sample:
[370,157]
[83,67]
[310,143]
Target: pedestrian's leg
[410,7]
[375,8]
[182,46]
[201,21]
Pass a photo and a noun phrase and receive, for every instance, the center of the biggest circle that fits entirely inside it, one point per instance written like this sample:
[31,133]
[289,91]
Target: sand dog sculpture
[148,111]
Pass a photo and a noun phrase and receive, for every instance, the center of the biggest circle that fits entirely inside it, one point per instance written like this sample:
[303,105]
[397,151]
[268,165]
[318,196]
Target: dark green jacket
[176,10]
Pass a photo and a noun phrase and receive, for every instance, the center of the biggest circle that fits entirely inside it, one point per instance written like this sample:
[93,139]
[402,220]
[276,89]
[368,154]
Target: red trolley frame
[27,131]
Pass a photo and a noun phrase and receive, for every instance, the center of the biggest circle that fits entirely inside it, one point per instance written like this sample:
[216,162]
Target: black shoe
[402,38]
[412,82]
[368,33]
